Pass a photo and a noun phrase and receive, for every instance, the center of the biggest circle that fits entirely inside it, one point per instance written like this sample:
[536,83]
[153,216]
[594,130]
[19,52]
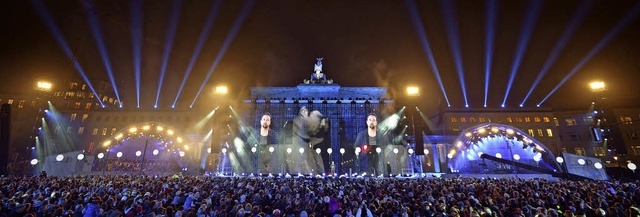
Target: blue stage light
[96,30]
[424,41]
[492,12]
[454,42]
[196,52]
[630,16]
[168,44]
[57,35]
[225,45]
[533,10]
[577,19]
[136,42]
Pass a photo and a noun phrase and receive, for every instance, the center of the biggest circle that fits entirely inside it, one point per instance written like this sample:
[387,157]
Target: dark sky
[363,42]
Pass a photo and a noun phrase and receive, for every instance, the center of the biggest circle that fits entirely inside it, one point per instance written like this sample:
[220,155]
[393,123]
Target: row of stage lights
[147,128]
[329,151]
[492,131]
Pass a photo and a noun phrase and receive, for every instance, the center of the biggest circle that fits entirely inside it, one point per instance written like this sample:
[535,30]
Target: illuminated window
[540,133]
[527,119]
[73,85]
[463,120]
[546,119]
[73,117]
[530,131]
[519,119]
[84,86]
[88,106]
[80,130]
[489,120]
[635,150]
[509,120]
[549,133]
[627,120]
[104,131]
[472,120]
[580,151]
[454,120]
[481,120]
[536,119]
[33,103]
[599,151]
[21,104]
[94,132]
[84,117]
[105,98]
[113,131]
[570,121]
[555,122]
[91,96]
[77,105]
[10,101]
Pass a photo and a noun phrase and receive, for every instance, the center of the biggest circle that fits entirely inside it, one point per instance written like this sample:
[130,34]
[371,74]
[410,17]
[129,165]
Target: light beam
[454,43]
[168,43]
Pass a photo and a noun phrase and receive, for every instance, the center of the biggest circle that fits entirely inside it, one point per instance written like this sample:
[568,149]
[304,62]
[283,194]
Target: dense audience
[129,165]
[213,196]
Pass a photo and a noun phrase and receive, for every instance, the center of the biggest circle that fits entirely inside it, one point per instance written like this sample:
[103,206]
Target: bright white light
[632,166]
[156,152]
[329,151]
[224,150]
[559,159]
[378,150]
[450,155]
[59,157]
[480,154]
[34,162]
[318,150]
[186,147]
[413,91]
[100,155]
[289,150]
[107,143]
[181,153]
[581,161]
[510,131]
[395,150]
[498,155]
[537,157]
[410,151]
[146,127]
[426,151]
[119,154]
[179,139]
[170,132]
[482,130]
[301,150]
[358,150]
[342,151]
[80,156]
[253,149]
[271,149]
[138,153]
[516,157]
[598,165]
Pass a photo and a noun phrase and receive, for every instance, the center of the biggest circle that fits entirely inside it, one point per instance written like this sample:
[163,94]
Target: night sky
[364,43]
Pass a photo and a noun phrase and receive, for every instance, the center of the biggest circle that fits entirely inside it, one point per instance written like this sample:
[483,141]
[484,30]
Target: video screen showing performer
[371,143]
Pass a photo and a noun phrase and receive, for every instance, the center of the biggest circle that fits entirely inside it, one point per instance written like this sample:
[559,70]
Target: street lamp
[100,155]
[119,154]
[632,166]
[59,157]
[80,156]
[44,86]
[413,91]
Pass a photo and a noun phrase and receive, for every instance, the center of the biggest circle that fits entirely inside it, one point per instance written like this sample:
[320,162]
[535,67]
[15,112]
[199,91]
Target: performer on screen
[368,141]
[266,137]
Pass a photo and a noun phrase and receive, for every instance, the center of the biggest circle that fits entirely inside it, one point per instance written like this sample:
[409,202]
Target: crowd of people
[132,165]
[224,196]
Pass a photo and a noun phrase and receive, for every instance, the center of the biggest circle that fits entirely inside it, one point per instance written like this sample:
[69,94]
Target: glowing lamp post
[34,162]
[632,166]
[271,149]
[342,151]
[59,157]
[318,150]
[138,153]
[80,156]
[581,162]
[329,151]
[598,165]
[156,152]
[100,155]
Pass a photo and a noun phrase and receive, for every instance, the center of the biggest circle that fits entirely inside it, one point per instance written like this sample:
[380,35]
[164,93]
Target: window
[555,122]
[91,96]
[536,119]
[73,117]
[84,86]
[10,101]
[94,132]
[540,133]
[84,117]
[570,121]
[530,131]
[77,105]
[546,119]
[454,120]
[580,151]
[472,120]
[80,130]
[481,120]
[33,103]
[21,103]
[599,151]
[113,131]
[527,119]
[509,120]
[104,131]
[88,106]
[625,120]
[635,150]
[519,119]
[549,132]
[463,120]
[489,120]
